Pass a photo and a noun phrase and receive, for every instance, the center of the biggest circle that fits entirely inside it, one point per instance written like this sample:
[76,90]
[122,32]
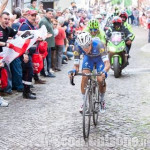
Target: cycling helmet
[117,19]
[124,14]
[93,24]
[84,39]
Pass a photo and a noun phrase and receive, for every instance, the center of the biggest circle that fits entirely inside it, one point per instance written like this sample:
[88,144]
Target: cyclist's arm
[104,57]
[76,58]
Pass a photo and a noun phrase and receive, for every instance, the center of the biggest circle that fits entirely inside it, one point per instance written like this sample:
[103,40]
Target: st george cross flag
[21,44]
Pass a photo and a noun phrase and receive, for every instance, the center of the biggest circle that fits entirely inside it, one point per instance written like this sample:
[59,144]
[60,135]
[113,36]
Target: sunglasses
[93,30]
[85,46]
[55,24]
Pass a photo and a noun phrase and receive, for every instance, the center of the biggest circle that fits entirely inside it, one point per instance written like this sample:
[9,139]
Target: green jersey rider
[95,30]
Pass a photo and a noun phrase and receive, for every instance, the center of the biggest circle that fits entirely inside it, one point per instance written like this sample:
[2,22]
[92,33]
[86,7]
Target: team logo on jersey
[86,64]
[1,34]
[101,50]
[76,53]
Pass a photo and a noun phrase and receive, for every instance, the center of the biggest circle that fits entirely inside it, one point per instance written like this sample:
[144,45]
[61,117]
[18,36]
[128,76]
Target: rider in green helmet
[94,29]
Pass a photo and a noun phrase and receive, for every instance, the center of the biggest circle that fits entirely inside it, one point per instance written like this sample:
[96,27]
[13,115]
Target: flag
[21,44]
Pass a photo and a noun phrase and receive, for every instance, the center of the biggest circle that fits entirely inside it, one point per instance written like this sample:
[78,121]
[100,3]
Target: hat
[32,12]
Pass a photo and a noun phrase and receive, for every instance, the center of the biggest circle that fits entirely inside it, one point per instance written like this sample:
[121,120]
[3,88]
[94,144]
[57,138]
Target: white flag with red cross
[21,44]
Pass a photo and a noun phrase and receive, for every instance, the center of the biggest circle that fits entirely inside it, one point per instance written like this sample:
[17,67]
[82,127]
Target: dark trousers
[27,74]
[53,58]
[128,47]
[59,53]
[47,63]
[16,70]
[48,59]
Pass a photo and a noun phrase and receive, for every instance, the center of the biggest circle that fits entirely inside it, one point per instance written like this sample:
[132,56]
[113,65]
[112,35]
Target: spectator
[55,25]
[27,65]
[15,66]
[6,32]
[130,15]
[69,47]
[148,22]
[80,27]
[136,16]
[41,10]
[73,5]
[58,13]
[59,39]
[24,15]
[17,15]
[47,21]
[33,5]
[70,28]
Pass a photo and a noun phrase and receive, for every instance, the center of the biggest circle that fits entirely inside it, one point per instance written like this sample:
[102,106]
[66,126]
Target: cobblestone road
[52,122]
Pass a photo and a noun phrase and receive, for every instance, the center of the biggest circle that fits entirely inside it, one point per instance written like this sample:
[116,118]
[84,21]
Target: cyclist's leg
[100,66]
[102,85]
[87,67]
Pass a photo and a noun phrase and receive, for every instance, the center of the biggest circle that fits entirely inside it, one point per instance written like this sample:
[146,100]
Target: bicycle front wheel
[86,115]
[96,105]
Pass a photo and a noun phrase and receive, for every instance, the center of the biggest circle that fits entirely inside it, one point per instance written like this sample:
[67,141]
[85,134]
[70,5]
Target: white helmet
[84,39]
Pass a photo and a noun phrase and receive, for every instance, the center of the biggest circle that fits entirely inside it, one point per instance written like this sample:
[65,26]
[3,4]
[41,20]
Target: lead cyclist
[94,54]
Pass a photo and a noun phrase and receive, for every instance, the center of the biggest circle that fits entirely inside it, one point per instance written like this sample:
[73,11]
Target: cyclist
[118,27]
[95,30]
[94,54]
[124,17]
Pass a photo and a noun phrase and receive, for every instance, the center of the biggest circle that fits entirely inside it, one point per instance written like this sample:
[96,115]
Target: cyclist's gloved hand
[72,72]
[105,73]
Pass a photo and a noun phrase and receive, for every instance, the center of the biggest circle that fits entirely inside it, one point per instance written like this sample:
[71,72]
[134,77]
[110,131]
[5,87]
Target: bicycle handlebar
[83,74]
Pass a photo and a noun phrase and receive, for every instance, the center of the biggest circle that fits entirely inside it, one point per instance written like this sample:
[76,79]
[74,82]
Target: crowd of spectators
[62,27]
[140,17]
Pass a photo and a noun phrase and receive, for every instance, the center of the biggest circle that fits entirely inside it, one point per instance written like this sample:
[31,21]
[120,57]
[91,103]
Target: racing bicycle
[92,102]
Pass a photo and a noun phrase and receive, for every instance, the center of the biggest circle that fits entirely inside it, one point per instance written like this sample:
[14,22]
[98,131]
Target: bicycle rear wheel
[86,115]
[96,105]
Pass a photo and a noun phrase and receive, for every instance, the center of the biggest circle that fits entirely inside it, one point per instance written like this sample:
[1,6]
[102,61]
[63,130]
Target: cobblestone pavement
[52,122]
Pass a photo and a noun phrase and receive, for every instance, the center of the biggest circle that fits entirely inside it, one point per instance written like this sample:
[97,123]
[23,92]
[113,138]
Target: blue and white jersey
[98,50]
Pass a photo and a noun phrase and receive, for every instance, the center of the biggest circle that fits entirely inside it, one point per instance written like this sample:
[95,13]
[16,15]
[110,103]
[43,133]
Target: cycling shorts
[88,63]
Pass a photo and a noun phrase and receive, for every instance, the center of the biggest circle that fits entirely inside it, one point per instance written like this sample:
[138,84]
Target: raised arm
[3,5]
